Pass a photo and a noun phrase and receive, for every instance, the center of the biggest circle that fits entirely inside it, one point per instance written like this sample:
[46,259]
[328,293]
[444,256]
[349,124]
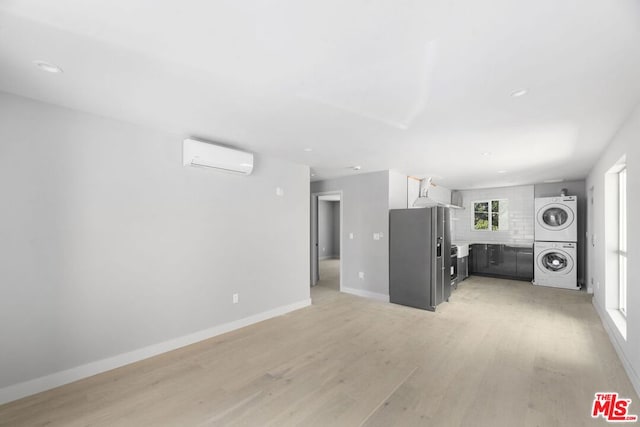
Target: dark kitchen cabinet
[509,261]
[472,266]
[488,259]
[497,260]
[524,264]
[479,259]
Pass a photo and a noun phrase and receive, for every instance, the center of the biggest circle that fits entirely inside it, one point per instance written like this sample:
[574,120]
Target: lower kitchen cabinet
[497,260]
[509,261]
[477,259]
[524,264]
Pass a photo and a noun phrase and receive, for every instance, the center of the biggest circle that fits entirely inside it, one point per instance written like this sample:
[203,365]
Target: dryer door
[555,217]
[554,261]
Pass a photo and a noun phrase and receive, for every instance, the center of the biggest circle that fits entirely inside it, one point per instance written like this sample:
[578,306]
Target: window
[491,215]
[622,240]
[615,244]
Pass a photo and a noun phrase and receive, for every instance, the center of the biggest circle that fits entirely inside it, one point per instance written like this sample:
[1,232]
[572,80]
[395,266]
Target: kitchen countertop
[513,245]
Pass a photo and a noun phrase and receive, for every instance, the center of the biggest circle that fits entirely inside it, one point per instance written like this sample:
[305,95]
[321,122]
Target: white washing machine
[556,219]
[556,265]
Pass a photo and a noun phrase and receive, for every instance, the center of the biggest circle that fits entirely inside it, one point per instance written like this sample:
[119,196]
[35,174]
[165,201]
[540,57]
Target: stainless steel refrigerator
[419,257]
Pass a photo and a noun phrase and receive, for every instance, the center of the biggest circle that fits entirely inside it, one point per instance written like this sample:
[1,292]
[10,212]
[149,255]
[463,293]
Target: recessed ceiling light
[486,153]
[356,168]
[308,150]
[503,171]
[518,93]
[49,68]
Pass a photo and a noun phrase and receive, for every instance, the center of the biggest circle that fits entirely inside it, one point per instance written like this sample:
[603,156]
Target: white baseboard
[366,294]
[37,385]
[610,328]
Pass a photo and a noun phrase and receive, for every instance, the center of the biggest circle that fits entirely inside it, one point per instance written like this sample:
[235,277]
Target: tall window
[491,215]
[622,240]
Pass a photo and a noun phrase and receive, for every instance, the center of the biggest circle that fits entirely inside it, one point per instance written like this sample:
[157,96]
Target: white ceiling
[422,87]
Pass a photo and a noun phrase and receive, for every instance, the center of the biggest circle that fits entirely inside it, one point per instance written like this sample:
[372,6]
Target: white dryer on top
[556,219]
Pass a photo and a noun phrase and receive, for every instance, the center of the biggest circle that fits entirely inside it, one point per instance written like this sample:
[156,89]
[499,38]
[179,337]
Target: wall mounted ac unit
[206,154]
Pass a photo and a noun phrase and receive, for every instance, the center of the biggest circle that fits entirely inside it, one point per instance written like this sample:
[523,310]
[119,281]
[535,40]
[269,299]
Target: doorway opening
[327,241]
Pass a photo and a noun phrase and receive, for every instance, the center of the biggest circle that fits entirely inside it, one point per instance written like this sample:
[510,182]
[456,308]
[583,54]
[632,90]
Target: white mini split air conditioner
[208,155]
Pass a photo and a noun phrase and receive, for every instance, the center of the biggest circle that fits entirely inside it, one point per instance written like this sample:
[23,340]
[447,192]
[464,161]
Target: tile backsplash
[521,215]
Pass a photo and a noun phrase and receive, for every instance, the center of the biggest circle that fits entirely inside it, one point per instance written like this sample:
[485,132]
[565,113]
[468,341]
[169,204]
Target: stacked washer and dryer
[556,237]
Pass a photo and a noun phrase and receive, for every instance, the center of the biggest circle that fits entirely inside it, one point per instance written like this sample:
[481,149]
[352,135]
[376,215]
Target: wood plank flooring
[501,353]
[329,270]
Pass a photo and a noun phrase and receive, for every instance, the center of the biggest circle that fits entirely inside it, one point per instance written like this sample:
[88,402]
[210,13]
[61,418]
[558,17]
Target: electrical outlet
[361,275]
[376,236]
[351,236]
[279,191]
[324,249]
[236,298]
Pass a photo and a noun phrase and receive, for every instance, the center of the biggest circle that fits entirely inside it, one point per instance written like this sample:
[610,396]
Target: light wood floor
[501,353]
[329,273]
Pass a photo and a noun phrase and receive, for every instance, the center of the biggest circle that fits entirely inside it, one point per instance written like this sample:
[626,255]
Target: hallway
[330,274]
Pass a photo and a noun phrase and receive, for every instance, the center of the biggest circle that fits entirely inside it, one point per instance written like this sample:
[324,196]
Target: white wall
[626,142]
[413,191]
[521,216]
[365,211]
[397,190]
[108,244]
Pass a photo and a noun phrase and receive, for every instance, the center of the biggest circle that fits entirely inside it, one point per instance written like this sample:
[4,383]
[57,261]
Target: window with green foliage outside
[491,215]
